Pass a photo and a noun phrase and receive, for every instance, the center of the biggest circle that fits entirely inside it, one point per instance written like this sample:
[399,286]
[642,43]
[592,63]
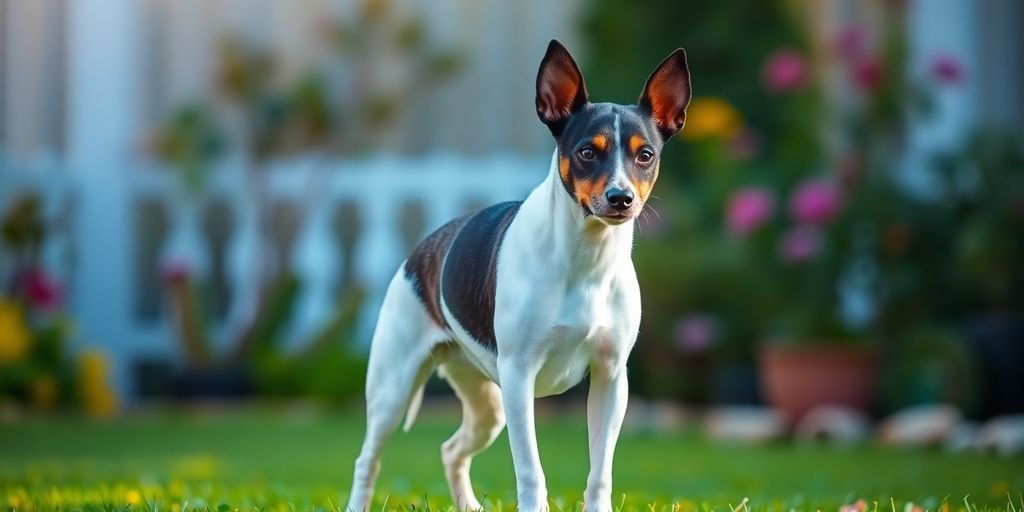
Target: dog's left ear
[560,88]
[667,93]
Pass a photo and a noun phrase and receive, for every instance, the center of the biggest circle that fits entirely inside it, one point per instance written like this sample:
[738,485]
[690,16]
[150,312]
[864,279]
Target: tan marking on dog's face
[644,186]
[600,142]
[563,168]
[588,189]
[635,143]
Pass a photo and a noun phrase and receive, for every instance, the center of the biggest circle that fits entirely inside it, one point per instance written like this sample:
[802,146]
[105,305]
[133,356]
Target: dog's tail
[414,408]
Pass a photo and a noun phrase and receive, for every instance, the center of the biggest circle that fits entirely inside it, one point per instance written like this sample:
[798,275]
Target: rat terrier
[522,299]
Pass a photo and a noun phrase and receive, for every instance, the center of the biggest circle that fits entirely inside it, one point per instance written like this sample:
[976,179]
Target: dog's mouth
[609,216]
[615,218]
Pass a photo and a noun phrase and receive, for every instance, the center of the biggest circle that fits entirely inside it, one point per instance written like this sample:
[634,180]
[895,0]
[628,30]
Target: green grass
[287,461]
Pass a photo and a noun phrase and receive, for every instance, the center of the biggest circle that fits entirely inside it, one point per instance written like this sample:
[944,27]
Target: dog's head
[609,154]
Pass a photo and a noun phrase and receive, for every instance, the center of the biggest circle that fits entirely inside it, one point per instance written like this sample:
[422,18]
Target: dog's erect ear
[667,93]
[560,88]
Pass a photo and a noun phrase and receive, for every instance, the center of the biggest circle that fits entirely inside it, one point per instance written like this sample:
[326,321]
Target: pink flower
[748,209]
[696,332]
[947,70]
[800,244]
[174,272]
[850,42]
[815,202]
[41,290]
[784,71]
[867,74]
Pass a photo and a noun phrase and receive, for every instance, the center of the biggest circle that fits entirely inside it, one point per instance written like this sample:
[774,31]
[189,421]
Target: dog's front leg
[518,379]
[606,406]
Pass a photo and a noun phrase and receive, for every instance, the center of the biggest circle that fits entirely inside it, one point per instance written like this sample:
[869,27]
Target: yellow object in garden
[98,398]
[712,117]
[45,391]
[15,337]
[133,497]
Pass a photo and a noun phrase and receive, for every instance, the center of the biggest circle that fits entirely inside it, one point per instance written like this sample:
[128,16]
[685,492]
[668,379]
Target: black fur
[469,279]
[423,268]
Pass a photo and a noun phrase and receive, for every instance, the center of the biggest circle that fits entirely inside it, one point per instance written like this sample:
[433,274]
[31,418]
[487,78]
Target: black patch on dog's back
[423,268]
[469,278]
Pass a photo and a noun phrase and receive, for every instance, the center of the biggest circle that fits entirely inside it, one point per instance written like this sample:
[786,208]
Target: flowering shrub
[36,368]
[781,217]
[852,223]
[797,224]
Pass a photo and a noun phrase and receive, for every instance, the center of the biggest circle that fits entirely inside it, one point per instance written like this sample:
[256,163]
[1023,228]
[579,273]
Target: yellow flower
[15,338]
[15,502]
[98,398]
[93,369]
[45,391]
[712,117]
[133,497]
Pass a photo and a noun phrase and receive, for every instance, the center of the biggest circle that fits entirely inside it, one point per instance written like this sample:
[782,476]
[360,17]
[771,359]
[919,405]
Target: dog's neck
[568,236]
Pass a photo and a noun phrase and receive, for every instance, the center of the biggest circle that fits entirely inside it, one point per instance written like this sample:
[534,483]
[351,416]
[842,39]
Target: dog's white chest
[578,334]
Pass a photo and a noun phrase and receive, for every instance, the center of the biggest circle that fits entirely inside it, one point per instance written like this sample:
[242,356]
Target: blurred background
[204,199]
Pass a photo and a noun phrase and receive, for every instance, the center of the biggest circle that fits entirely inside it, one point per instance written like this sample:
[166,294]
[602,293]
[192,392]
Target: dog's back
[458,263]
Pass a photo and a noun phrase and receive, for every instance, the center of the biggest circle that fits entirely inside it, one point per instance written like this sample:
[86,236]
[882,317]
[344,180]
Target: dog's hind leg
[483,418]
[400,362]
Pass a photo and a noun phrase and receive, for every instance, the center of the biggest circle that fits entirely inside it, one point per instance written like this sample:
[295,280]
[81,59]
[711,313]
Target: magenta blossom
[784,71]
[800,244]
[815,202]
[749,209]
[851,42]
[947,70]
[41,290]
[696,332]
[867,74]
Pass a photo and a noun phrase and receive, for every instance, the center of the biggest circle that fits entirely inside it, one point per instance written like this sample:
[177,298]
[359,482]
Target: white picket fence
[390,202]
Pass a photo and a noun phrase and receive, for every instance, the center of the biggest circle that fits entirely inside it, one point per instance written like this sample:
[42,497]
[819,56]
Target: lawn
[288,460]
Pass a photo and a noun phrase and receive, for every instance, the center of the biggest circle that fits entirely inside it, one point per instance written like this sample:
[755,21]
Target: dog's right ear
[560,88]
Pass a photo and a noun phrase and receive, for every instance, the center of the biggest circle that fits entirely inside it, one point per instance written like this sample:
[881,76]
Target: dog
[523,299]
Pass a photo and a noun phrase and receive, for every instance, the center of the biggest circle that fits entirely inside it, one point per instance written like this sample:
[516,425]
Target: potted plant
[811,353]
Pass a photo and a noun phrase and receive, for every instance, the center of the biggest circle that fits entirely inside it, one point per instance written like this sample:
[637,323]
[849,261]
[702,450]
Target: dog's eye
[645,156]
[586,153]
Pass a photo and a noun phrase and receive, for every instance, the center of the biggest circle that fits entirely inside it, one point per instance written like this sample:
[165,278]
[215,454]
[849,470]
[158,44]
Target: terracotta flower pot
[796,379]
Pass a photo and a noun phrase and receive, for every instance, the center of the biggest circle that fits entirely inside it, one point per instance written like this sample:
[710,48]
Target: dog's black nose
[619,199]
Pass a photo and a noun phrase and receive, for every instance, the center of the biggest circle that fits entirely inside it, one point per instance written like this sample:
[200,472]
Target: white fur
[619,178]
[567,302]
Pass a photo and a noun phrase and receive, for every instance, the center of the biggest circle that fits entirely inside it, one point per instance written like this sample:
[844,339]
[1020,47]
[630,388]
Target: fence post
[103,49]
